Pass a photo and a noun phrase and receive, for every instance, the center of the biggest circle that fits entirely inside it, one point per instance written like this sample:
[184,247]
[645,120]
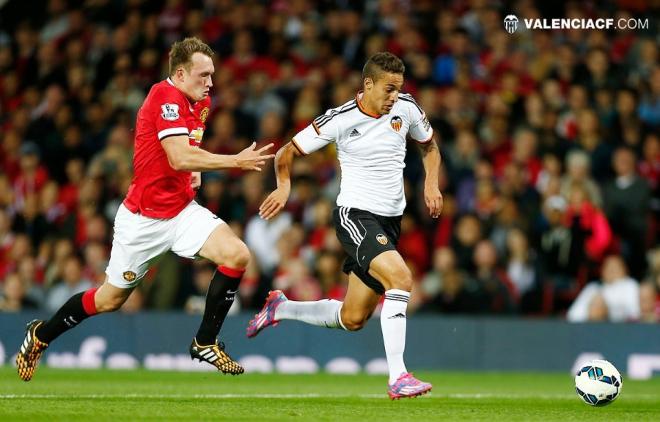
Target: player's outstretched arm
[274,203]
[431,159]
[183,157]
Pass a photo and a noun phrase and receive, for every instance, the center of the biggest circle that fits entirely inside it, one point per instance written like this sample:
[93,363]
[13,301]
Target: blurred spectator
[627,206]
[202,274]
[96,256]
[626,122]
[560,258]
[32,279]
[31,221]
[521,265]
[466,236]
[62,249]
[446,288]
[262,236]
[500,294]
[6,241]
[649,302]
[616,298]
[72,282]
[32,175]
[413,244]
[332,280]
[14,295]
[578,171]
[649,108]
[589,226]
[295,280]
[590,140]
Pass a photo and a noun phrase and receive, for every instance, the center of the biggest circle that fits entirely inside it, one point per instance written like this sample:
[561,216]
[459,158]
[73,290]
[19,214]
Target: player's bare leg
[359,303]
[351,314]
[231,256]
[390,269]
[39,334]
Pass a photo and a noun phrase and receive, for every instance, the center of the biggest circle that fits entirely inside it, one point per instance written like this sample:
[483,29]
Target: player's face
[198,82]
[384,91]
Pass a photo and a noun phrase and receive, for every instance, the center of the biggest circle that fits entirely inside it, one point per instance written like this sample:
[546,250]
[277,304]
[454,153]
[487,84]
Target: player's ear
[178,73]
[368,84]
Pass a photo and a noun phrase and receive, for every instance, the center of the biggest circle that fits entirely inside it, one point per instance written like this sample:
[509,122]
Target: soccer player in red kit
[160,214]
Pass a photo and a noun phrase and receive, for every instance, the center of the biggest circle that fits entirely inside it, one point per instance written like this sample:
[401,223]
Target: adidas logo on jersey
[353,133]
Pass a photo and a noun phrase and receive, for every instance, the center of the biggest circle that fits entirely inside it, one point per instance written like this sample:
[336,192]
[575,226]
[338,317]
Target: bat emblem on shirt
[396,123]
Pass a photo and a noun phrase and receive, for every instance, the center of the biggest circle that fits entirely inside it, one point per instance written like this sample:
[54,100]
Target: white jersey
[370,150]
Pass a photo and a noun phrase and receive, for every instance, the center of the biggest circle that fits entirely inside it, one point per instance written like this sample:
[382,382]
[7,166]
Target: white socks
[393,324]
[327,313]
[324,313]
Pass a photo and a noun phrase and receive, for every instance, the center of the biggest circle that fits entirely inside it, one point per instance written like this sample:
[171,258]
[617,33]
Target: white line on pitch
[281,396]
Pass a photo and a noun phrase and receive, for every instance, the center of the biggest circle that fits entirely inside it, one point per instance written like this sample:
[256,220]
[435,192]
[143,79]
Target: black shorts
[364,236]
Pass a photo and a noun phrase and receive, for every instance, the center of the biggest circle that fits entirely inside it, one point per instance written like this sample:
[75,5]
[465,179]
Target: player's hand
[434,201]
[252,159]
[195,179]
[274,203]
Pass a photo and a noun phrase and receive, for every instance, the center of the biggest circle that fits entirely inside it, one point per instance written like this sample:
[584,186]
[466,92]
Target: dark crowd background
[549,138]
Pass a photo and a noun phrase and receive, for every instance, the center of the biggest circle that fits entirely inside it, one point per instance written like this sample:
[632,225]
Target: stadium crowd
[550,144]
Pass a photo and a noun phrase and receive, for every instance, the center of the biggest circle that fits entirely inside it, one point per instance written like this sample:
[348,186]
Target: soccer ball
[598,383]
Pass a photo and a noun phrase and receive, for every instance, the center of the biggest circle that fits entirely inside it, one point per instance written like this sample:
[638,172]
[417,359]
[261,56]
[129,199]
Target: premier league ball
[598,383]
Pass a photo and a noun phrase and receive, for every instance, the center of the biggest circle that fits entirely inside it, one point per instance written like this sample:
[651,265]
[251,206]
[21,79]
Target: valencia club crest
[396,123]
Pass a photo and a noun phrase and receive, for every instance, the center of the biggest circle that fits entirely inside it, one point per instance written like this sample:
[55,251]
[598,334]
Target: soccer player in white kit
[370,136]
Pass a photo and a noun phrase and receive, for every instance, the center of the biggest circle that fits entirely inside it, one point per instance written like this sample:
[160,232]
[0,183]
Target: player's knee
[240,256]
[353,323]
[401,278]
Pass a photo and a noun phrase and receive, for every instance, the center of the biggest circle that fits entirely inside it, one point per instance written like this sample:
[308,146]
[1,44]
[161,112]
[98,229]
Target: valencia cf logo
[396,123]
[511,23]
[204,114]
[129,276]
[382,239]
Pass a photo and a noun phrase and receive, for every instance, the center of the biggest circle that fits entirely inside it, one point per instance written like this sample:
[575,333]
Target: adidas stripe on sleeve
[324,130]
[420,128]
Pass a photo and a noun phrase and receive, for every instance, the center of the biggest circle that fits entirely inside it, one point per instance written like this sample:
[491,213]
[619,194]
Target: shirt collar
[358,100]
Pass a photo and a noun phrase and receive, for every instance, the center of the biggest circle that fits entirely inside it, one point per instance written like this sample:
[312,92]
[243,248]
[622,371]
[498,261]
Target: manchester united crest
[204,114]
[129,276]
[396,123]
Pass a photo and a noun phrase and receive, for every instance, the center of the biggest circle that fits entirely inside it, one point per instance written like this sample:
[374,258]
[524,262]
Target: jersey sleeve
[168,106]
[420,128]
[321,132]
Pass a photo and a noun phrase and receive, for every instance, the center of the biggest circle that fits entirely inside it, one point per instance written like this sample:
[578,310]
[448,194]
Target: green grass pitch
[139,395]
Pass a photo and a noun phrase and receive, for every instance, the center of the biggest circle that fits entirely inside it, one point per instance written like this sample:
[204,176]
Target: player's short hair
[383,62]
[182,52]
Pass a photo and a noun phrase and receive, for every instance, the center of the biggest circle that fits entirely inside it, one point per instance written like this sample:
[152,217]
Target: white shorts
[139,239]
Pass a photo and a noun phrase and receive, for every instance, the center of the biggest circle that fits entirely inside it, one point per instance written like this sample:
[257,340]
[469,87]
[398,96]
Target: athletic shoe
[266,317]
[215,355]
[30,353]
[408,386]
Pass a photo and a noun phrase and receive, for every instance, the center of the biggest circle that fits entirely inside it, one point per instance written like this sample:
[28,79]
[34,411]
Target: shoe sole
[412,396]
[219,370]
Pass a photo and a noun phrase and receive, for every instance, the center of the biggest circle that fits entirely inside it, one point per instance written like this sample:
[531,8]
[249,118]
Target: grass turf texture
[132,395]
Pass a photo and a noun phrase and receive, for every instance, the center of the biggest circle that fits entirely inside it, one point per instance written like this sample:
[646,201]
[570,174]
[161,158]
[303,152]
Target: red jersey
[157,190]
